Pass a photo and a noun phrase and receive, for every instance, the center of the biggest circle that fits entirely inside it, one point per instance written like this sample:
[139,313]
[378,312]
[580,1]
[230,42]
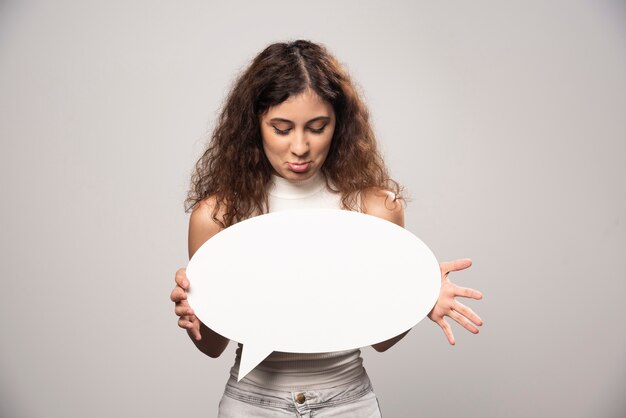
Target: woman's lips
[299,167]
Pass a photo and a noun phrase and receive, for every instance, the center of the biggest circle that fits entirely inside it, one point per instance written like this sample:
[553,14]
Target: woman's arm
[201,228]
[383,204]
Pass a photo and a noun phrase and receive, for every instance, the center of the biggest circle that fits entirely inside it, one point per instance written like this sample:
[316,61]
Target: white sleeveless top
[294,371]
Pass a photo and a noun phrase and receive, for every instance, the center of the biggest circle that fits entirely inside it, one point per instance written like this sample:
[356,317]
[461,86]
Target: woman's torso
[288,371]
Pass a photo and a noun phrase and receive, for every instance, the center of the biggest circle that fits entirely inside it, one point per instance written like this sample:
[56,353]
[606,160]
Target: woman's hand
[187,319]
[447,305]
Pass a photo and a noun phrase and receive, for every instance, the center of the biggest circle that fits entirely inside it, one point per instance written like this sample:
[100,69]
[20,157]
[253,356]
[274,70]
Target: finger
[447,330]
[183,303]
[181,310]
[463,321]
[196,334]
[178,294]
[466,292]
[192,324]
[467,312]
[181,278]
[184,323]
[456,265]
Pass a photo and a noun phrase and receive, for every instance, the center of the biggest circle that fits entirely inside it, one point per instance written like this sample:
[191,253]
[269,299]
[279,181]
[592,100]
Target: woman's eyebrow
[315,119]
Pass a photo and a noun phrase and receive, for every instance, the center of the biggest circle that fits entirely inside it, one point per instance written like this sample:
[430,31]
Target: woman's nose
[300,144]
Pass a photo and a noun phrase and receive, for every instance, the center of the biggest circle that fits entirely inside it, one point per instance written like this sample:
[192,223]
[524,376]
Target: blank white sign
[309,281]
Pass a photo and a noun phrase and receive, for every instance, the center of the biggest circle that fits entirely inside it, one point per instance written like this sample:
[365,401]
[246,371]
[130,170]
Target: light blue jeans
[351,400]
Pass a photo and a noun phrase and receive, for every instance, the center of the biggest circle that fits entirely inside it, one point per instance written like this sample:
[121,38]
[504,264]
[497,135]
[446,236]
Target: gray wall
[502,119]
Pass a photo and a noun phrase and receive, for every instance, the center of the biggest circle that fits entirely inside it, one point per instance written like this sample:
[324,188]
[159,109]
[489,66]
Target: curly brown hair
[234,167]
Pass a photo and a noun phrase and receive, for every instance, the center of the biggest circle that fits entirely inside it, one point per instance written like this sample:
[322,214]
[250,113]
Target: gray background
[502,119]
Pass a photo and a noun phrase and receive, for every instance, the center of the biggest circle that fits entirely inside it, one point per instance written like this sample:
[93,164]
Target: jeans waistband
[289,398]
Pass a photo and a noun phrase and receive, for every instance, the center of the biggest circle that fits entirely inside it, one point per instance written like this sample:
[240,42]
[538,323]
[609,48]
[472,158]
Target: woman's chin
[297,174]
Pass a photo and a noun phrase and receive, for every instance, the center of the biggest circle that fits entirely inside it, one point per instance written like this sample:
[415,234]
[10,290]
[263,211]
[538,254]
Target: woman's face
[297,134]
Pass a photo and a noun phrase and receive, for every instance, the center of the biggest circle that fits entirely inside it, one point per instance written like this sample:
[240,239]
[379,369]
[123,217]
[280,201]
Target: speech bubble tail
[251,356]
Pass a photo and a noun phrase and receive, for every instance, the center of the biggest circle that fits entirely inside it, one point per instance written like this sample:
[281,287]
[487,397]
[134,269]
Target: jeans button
[300,398]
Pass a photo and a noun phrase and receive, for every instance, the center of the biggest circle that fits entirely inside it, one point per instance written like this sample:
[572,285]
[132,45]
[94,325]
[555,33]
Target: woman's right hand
[187,319]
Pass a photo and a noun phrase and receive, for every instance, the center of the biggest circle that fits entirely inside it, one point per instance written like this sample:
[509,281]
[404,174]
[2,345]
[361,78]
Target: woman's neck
[282,187]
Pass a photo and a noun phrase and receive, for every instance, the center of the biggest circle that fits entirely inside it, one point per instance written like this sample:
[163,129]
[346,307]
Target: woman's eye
[318,131]
[286,131]
[280,132]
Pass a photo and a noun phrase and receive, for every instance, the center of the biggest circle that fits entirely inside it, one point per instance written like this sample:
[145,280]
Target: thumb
[456,265]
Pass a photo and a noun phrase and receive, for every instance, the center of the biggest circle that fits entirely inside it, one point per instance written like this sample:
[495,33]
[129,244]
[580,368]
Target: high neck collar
[294,189]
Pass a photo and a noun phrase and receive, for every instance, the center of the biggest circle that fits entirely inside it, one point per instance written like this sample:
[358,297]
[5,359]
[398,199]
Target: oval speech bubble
[311,281]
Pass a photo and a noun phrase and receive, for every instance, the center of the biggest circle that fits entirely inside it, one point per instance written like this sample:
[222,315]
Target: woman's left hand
[447,305]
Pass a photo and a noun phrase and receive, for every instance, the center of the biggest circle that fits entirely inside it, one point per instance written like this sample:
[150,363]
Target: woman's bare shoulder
[384,204]
[202,226]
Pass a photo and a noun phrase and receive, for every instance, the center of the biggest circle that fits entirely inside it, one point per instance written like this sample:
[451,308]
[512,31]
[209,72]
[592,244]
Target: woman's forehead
[301,107]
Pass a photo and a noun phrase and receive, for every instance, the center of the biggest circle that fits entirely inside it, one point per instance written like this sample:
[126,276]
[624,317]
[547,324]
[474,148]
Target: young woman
[294,133]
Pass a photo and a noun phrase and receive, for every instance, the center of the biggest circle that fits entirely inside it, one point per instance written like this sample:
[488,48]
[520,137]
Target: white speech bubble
[311,281]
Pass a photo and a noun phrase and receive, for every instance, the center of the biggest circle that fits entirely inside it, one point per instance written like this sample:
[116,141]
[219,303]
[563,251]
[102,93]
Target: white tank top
[294,371]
